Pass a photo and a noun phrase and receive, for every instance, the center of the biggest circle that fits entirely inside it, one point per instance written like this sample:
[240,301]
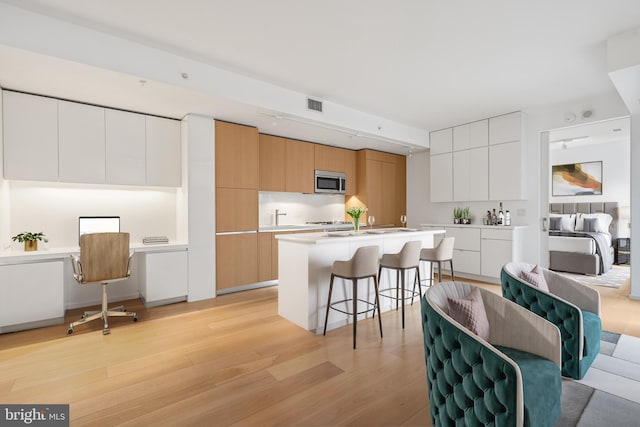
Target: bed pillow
[535,278]
[603,223]
[567,221]
[590,224]
[555,223]
[470,313]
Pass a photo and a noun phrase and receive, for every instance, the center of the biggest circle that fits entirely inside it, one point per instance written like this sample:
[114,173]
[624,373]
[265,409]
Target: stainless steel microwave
[330,182]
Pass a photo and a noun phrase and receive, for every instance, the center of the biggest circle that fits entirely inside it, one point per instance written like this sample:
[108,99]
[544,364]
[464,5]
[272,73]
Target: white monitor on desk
[98,224]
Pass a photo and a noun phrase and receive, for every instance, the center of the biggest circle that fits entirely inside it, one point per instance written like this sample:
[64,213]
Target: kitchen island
[304,269]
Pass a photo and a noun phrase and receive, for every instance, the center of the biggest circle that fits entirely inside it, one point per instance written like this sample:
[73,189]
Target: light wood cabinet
[299,167]
[81,143]
[350,169]
[236,209]
[125,148]
[30,127]
[265,254]
[236,156]
[381,185]
[164,153]
[329,158]
[272,163]
[236,260]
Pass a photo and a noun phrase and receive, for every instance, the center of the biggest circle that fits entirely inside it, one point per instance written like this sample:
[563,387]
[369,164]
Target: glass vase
[356,224]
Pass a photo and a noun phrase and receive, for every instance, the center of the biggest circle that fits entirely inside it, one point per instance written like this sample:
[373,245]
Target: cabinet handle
[544,224]
[226,233]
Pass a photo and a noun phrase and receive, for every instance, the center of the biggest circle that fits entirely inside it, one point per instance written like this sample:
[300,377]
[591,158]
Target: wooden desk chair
[104,258]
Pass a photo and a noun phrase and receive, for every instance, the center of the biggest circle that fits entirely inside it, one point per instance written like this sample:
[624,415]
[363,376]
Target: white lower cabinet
[466,252]
[483,250]
[165,277]
[31,295]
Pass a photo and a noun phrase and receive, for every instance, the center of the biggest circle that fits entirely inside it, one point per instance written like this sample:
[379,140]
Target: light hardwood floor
[234,361]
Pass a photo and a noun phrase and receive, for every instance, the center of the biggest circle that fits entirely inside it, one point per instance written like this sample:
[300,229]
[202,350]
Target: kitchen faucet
[278,216]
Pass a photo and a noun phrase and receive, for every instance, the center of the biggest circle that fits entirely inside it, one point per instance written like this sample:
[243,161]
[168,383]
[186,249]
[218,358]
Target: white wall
[616,170]
[299,207]
[5,235]
[200,137]
[54,208]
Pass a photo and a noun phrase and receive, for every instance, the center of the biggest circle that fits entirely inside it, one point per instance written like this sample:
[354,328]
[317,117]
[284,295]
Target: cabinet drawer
[495,254]
[466,262]
[496,233]
[466,238]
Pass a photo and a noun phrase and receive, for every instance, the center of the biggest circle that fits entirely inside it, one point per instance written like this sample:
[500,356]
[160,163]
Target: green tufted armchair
[512,380]
[573,307]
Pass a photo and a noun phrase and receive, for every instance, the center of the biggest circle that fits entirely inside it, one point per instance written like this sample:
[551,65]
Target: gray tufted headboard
[594,207]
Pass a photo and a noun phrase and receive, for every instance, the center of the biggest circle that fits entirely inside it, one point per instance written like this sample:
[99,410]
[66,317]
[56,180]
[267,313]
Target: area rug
[614,278]
[609,394]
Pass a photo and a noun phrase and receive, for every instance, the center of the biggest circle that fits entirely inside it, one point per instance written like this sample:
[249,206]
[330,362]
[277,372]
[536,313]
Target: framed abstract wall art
[577,179]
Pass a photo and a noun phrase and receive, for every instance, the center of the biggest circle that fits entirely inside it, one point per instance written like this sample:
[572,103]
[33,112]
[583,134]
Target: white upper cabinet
[163,152]
[125,148]
[81,143]
[46,139]
[505,128]
[471,135]
[441,141]
[30,127]
[505,171]
[471,175]
[441,178]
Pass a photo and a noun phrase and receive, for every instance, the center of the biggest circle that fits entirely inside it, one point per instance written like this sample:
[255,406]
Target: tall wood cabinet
[299,166]
[236,205]
[381,185]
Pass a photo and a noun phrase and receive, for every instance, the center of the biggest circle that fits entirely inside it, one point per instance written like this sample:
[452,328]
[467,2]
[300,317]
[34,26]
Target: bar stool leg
[402,294]
[453,278]
[430,273]
[355,310]
[397,287]
[375,285]
[418,281]
[326,317]
[439,272]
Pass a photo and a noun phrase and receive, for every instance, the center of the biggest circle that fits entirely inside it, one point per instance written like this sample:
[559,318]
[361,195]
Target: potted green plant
[355,212]
[29,239]
[457,215]
[466,215]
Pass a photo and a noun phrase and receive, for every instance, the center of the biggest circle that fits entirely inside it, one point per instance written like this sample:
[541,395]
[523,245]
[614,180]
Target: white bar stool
[407,259]
[441,253]
[363,265]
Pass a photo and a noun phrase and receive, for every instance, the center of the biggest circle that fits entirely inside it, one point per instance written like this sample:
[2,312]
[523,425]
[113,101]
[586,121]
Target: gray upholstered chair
[104,258]
[407,259]
[513,379]
[570,305]
[362,265]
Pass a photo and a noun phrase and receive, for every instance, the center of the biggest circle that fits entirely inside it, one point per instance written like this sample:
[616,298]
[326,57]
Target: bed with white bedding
[580,237]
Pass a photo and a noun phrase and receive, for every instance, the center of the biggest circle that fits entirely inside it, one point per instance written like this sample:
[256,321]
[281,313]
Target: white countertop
[19,257]
[493,227]
[349,236]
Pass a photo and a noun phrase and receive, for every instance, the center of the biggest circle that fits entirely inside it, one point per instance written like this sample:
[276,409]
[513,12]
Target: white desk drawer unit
[483,250]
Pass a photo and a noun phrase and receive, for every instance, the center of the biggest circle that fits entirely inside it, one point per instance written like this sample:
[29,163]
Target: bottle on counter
[494,217]
[500,216]
[507,218]
[487,220]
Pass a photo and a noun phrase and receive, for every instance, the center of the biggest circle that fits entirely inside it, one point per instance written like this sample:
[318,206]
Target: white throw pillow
[568,221]
[604,221]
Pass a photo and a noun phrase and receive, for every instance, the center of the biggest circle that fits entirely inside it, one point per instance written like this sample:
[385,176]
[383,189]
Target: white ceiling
[425,63]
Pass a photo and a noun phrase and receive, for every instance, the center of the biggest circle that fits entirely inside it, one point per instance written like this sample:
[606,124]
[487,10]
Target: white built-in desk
[37,287]
[304,268]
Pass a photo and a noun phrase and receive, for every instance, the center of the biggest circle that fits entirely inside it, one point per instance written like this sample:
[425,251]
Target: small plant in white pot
[457,215]
[29,239]
[466,215]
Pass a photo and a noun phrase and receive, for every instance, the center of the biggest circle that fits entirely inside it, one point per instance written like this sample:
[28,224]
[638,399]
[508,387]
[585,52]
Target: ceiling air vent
[314,105]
